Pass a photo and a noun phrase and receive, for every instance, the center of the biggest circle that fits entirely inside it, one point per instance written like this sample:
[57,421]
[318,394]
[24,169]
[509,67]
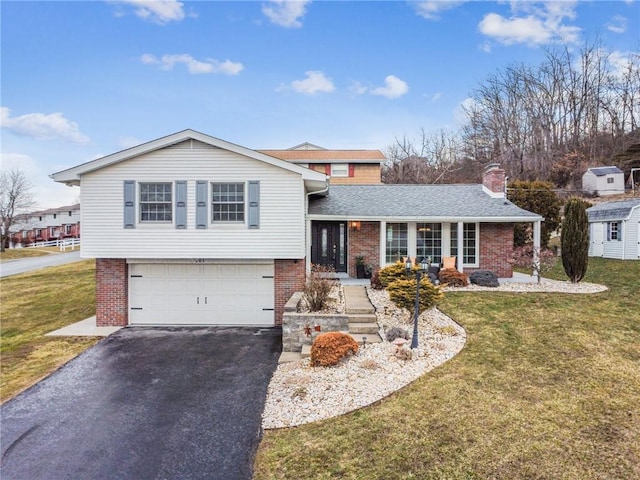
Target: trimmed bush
[388,275]
[329,348]
[402,292]
[484,278]
[453,277]
[396,332]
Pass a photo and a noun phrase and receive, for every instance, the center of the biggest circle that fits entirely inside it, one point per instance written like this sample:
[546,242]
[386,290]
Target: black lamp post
[424,266]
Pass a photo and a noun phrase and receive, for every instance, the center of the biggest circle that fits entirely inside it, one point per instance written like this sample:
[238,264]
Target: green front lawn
[32,304]
[547,386]
[17,253]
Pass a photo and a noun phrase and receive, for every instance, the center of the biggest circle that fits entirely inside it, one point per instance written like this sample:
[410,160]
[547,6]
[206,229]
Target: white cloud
[357,88]
[431,9]
[42,126]
[286,13]
[315,82]
[194,67]
[460,112]
[436,96]
[393,87]
[618,24]
[46,193]
[532,23]
[157,11]
[620,62]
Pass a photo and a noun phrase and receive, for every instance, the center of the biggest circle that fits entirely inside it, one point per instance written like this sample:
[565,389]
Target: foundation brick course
[111,292]
[289,277]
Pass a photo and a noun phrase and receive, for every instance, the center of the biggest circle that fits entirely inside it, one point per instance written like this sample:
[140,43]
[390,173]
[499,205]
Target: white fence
[67,243]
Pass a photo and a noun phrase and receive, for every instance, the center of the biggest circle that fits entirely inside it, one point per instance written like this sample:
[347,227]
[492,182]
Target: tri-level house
[189,229]
[45,225]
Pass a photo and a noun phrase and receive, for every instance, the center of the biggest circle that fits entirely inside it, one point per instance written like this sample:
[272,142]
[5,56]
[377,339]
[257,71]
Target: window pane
[155,202]
[429,241]
[227,202]
[396,246]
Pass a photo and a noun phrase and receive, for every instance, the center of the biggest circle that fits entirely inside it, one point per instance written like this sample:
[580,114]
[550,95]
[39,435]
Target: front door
[329,244]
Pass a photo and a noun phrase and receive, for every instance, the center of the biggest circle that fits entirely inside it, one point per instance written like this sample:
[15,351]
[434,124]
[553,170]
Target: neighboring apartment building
[344,167]
[45,225]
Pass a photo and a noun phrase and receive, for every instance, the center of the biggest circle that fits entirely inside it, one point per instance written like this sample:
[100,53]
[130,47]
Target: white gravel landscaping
[299,393]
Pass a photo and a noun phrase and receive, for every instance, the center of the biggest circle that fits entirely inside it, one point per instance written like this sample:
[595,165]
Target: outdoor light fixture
[424,266]
[355,225]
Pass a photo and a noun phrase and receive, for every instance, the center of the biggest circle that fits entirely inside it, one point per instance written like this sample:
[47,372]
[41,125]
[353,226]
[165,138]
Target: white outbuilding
[603,181]
[614,230]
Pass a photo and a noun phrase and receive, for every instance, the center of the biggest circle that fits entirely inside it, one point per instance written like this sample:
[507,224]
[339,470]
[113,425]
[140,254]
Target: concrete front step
[356,300]
[362,318]
[364,328]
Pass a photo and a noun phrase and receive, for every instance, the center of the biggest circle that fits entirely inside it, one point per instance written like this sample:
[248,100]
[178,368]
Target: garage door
[201,294]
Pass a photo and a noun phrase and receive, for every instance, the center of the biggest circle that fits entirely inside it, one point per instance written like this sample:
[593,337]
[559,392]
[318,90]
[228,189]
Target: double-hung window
[155,202]
[228,201]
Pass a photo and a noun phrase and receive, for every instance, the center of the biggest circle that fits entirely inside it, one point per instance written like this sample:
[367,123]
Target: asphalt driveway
[146,403]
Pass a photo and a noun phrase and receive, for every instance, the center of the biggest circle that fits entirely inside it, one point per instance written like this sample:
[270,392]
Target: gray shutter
[620,231]
[201,204]
[181,204]
[254,204]
[129,204]
[608,231]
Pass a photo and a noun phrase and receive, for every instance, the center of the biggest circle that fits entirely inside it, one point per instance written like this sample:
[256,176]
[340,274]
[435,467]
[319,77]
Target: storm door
[329,244]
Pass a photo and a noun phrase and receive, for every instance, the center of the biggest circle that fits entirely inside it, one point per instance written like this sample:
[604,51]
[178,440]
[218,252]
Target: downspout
[307,229]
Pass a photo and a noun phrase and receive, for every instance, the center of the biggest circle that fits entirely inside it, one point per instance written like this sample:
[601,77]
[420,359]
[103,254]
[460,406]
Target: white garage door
[201,294]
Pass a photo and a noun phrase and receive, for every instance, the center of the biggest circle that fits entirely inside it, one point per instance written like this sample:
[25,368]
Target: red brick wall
[289,277]
[111,292]
[496,248]
[364,242]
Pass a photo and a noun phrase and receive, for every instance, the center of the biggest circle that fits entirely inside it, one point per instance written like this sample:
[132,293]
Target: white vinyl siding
[618,239]
[281,232]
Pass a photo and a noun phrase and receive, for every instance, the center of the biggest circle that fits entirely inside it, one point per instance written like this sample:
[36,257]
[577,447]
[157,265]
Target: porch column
[383,243]
[460,259]
[536,244]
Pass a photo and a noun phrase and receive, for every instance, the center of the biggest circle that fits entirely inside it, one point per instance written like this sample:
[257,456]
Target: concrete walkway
[83,328]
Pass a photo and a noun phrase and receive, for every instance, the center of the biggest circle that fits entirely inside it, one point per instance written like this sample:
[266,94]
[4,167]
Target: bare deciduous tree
[15,198]
[427,159]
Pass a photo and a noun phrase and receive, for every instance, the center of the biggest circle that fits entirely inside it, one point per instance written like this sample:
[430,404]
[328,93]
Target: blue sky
[86,79]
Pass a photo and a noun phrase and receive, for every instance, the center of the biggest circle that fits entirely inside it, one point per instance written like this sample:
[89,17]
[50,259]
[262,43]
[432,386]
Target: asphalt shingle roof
[427,201]
[601,171]
[612,210]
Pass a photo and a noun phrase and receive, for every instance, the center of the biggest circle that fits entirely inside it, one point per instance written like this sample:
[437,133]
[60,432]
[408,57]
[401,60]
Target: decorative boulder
[484,278]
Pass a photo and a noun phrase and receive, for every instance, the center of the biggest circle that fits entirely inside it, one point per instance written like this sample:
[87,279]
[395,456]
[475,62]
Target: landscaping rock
[484,278]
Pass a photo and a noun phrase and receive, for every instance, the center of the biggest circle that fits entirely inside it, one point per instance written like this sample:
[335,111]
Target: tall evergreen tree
[574,239]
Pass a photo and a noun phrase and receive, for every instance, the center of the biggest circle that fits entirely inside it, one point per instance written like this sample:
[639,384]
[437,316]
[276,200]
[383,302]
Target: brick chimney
[493,180]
